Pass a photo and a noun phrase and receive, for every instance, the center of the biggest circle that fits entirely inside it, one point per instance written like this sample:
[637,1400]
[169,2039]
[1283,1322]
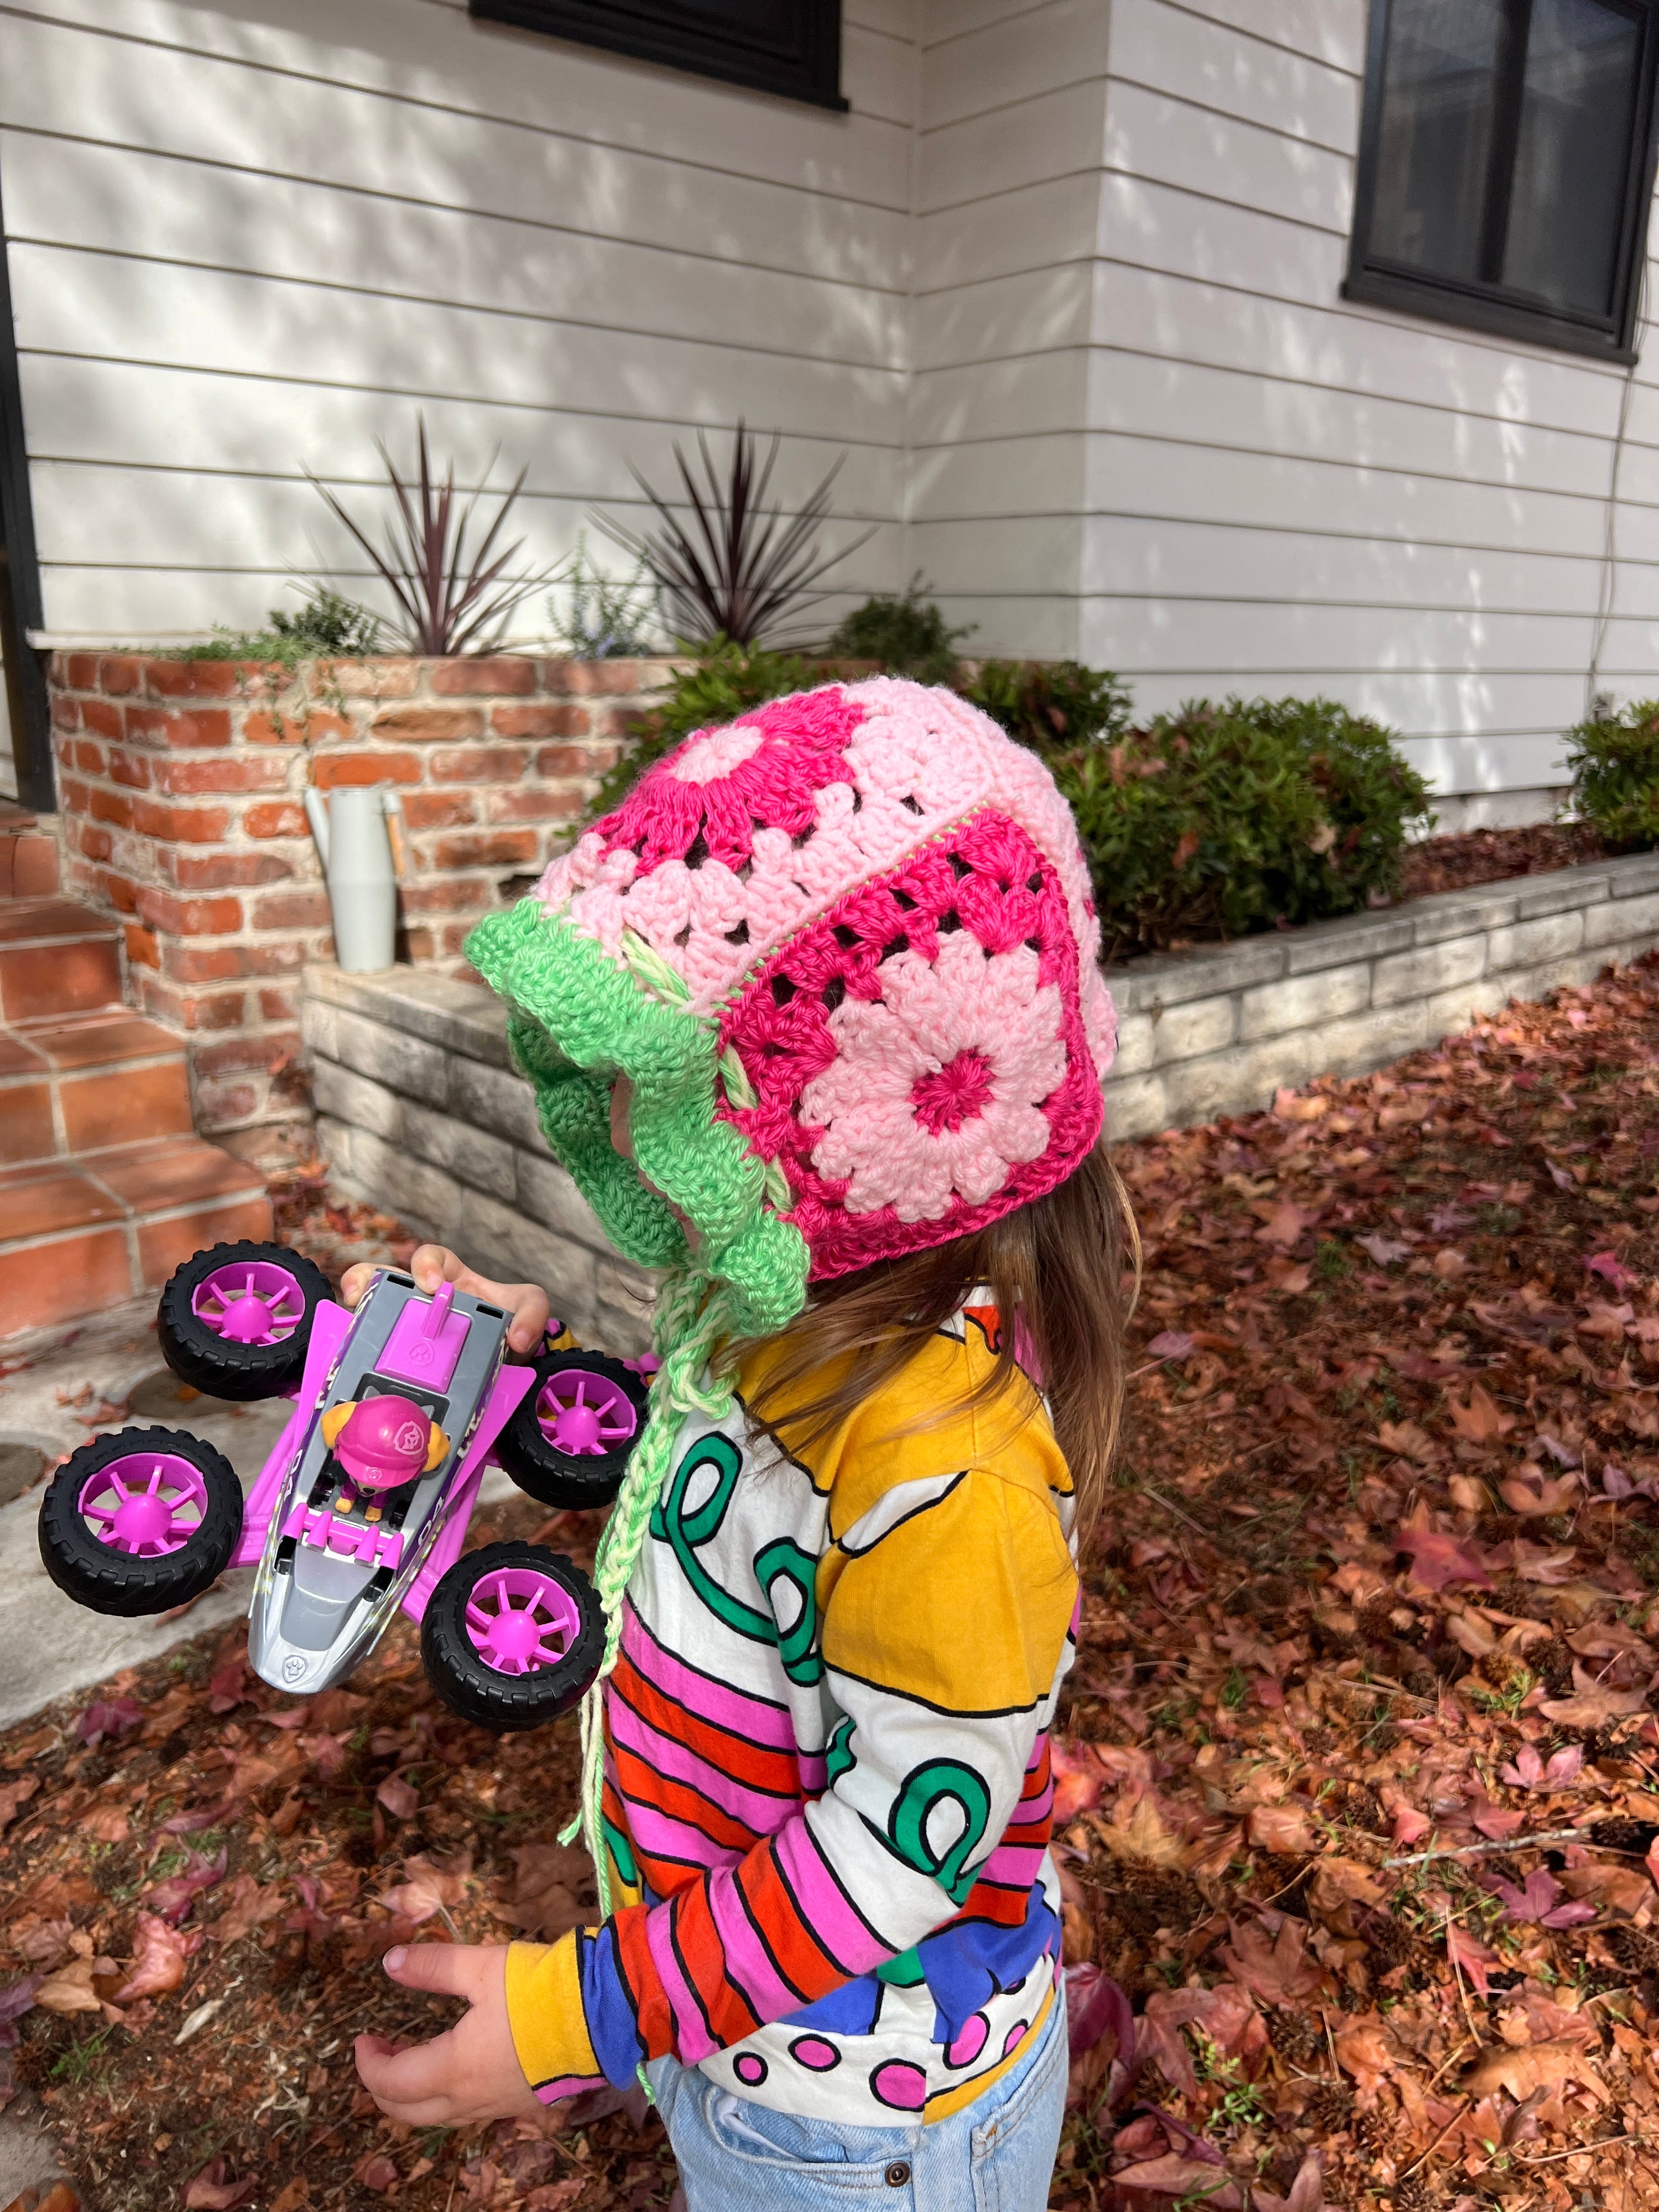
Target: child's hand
[432,1265]
[473,2072]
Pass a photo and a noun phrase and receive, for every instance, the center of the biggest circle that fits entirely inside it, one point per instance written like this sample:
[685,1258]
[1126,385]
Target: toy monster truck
[363,1504]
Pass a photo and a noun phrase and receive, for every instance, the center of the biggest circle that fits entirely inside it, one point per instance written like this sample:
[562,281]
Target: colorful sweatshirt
[827,1792]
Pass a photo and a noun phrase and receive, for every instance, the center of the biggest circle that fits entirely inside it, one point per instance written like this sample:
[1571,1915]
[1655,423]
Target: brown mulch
[1493,856]
[1378,1580]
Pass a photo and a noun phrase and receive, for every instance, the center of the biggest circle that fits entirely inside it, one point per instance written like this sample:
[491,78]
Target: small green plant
[328,627]
[724,681]
[1222,820]
[608,617]
[1235,1689]
[1331,1262]
[906,635]
[1053,707]
[1615,762]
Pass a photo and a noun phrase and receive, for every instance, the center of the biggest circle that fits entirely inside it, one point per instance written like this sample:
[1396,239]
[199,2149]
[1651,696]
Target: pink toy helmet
[384,1441]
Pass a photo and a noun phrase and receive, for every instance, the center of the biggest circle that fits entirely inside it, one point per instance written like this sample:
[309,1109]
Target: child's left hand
[472,2072]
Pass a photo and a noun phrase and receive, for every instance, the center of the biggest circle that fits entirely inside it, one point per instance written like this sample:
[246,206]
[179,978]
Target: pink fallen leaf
[159,1957]
[1284,1829]
[1273,1968]
[1307,2191]
[1529,1772]
[1410,1825]
[1537,1903]
[1438,1560]
[1170,1344]
[1611,1269]
[1480,1421]
[1545,1493]
[375,2172]
[1226,2015]
[170,1899]
[1363,2051]
[399,1797]
[17,1998]
[1593,1705]
[252,1903]
[1464,1950]
[228,1688]
[1193,2180]
[1498,1823]
[112,1717]
[14,1794]
[210,2192]
[1285,1226]
[426,1890]
[1385,1251]
[1079,1780]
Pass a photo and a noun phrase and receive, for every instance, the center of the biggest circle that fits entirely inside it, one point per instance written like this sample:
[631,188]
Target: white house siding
[1287,492]
[245,239]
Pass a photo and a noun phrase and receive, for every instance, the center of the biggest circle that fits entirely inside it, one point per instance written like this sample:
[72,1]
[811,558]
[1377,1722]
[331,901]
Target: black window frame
[682,37]
[1489,308]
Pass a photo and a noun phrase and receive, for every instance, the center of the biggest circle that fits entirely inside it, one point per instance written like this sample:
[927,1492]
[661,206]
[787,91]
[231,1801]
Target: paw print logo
[409,1440]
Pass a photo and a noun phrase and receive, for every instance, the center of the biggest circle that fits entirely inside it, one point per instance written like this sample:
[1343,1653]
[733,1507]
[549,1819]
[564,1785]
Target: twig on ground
[1438,2140]
[1169,1506]
[1477,1851]
[1576,2150]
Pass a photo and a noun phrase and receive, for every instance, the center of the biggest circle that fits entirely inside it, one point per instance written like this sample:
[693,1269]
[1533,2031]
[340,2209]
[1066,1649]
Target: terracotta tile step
[28,854]
[77,1235]
[56,958]
[78,1081]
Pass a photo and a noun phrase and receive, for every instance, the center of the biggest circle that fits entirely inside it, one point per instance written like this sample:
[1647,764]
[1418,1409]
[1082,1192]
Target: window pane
[1438,99]
[1571,162]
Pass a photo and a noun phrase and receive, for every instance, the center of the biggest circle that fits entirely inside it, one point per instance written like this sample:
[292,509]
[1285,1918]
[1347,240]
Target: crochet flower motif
[938,1088]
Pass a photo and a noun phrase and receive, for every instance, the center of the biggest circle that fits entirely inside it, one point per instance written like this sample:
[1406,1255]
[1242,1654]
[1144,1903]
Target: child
[815,1021]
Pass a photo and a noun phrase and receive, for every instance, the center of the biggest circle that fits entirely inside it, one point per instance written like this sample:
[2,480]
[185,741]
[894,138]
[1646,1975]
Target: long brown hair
[1068,1265]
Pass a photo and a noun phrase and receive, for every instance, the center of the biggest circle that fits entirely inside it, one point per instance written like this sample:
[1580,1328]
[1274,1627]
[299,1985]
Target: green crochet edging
[579,1018]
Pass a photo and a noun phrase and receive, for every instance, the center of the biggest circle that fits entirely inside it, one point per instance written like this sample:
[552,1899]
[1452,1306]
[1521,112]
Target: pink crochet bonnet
[845,948]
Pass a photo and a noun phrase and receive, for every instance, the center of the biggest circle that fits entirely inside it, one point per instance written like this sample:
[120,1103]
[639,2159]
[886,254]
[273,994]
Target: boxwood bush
[1615,762]
[1224,819]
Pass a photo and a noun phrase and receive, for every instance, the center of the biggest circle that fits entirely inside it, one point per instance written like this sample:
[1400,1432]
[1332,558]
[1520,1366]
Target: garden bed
[1496,856]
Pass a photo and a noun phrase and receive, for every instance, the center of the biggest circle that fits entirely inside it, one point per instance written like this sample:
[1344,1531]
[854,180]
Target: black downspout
[19,580]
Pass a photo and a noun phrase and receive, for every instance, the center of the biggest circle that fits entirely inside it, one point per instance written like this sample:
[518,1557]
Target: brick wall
[181,787]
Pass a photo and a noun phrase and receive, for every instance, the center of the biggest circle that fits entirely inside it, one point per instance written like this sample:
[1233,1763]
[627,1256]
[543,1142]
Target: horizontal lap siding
[1286,493]
[241,249]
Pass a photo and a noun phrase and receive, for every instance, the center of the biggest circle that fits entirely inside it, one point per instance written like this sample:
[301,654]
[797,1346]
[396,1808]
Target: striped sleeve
[944,1613]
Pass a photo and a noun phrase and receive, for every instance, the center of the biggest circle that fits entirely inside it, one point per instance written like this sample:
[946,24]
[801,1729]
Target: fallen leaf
[1537,1903]
[1438,1560]
[1170,1344]
[14,1794]
[1363,2050]
[1592,1706]
[1385,1251]
[1280,1828]
[112,1718]
[399,1797]
[210,2192]
[1539,2065]
[1273,1968]
[425,1890]
[1611,1269]
[69,1990]
[375,2172]
[250,1905]
[159,1956]
[1479,1421]
[1193,2180]
[553,1892]
[1145,1835]
[1468,1952]
[171,1900]
[1307,2191]
[1409,1441]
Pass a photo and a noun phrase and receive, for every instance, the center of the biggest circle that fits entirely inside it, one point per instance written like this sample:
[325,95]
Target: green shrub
[724,681]
[327,628]
[1051,706]
[1615,774]
[1221,820]
[608,617]
[906,635]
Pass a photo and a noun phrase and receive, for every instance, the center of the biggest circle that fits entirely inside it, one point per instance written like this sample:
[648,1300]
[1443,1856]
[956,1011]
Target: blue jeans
[995,2156]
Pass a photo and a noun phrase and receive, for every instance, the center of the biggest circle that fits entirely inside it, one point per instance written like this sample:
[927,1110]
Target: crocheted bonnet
[844,949]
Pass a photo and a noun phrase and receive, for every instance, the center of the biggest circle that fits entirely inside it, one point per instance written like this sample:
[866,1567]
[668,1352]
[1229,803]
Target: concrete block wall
[1219,1030]
[181,783]
[419,1111]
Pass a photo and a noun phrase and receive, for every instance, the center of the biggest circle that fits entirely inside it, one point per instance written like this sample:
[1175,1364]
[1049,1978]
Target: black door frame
[19,578]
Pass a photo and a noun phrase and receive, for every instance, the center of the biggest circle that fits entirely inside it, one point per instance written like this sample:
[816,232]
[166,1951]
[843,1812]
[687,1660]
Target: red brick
[239,1056]
[539,721]
[574,759]
[203,726]
[96,844]
[420,942]
[180,826]
[118,673]
[212,871]
[328,769]
[292,910]
[102,717]
[110,806]
[214,772]
[284,958]
[299,727]
[130,768]
[65,713]
[278,1006]
[443,726]
[203,963]
[620,721]
[190,679]
[78,669]
[143,948]
[393,677]
[480,764]
[450,895]
[488,673]
[120,890]
[438,810]
[453,938]
[204,917]
[89,758]
[221,1105]
[274,818]
[191,1011]
[532,802]
[77,797]
[608,678]
[501,849]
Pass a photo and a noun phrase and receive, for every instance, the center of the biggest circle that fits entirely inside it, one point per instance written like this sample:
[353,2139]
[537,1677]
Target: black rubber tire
[572,1480]
[211,1364]
[476,1692]
[108,1581]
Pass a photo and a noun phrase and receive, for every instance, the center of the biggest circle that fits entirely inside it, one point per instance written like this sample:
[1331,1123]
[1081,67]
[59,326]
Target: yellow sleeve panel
[544,2010]
[962,1604]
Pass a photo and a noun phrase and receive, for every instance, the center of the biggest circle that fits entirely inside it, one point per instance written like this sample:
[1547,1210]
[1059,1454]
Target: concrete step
[28,854]
[78,1082]
[56,958]
[79,1234]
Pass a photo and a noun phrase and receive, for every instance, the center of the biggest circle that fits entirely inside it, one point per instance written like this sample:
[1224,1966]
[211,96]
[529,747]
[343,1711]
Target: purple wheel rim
[521,1619]
[585,1414]
[250,1302]
[144,1504]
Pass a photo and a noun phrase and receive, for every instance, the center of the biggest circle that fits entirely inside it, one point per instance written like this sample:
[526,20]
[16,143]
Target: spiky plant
[737,566]
[452,597]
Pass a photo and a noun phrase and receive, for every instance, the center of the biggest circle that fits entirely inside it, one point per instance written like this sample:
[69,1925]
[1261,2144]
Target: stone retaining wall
[419,1111]
[181,783]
